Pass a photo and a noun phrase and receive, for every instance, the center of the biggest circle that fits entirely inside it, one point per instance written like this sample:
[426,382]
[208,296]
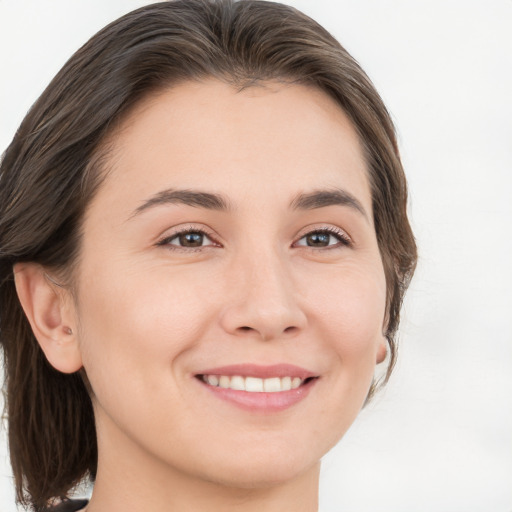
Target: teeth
[272,385]
[213,380]
[224,382]
[237,383]
[286,383]
[253,384]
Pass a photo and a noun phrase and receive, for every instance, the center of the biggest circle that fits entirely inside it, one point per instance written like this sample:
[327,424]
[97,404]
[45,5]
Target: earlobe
[382,350]
[49,311]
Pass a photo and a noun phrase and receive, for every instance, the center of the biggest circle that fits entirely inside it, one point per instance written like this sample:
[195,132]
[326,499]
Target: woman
[204,248]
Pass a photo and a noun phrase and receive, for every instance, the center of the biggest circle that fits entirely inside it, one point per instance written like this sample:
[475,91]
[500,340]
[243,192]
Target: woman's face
[230,294]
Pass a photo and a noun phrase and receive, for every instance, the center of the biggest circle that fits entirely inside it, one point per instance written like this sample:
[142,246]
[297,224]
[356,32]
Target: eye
[188,238]
[324,238]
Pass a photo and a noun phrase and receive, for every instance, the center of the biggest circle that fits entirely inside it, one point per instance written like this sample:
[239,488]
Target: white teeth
[272,385]
[286,383]
[213,380]
[253,384]
[224,381]
[237,383]
[296,382]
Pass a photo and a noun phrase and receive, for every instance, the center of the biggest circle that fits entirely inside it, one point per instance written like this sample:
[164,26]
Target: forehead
[277,138]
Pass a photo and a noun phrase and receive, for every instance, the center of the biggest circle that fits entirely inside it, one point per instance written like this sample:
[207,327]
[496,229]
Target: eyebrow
[187,197]
[330,197]
[212,201]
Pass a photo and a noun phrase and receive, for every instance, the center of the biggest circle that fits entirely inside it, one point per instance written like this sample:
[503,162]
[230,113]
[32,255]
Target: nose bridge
[264,301]
[269,280]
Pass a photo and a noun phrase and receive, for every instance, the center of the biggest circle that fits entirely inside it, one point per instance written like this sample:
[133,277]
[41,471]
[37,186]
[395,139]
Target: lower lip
[262,402]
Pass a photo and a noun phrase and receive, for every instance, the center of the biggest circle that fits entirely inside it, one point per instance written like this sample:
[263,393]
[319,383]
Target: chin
[256,477]
[263,469]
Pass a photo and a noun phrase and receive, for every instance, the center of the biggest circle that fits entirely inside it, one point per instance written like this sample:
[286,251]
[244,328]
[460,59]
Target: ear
[51,314]
[382,349]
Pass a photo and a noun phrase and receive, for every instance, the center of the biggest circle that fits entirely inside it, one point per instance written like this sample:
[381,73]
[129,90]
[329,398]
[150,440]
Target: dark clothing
[69,506]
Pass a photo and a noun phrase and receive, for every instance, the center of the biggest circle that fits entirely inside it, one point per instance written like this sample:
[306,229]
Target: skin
[146,314]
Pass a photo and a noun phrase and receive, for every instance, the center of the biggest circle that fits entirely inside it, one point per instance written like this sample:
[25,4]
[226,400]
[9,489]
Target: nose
[262,300]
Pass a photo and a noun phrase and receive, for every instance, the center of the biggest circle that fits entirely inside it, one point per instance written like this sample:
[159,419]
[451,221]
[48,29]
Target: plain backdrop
[439,437]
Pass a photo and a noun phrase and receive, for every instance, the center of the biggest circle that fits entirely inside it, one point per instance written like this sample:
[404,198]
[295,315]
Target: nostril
[287,330]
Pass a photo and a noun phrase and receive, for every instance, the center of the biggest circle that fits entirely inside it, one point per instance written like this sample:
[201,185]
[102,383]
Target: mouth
[259,388]
[254,384]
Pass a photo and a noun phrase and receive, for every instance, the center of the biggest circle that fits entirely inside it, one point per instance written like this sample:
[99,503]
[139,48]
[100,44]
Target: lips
[259,388]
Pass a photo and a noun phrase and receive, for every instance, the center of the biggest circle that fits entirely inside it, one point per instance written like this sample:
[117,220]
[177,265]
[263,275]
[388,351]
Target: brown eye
[193,239]
[318,239]
[189,239]
[324,238]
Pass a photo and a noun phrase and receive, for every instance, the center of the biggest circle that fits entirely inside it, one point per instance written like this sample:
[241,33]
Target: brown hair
[50,171]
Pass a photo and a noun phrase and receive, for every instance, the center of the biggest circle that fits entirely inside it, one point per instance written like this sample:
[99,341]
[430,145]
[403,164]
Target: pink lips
[261,402]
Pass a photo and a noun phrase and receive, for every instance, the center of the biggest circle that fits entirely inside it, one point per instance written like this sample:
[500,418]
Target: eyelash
[343,239]
[341,236]
[189,230]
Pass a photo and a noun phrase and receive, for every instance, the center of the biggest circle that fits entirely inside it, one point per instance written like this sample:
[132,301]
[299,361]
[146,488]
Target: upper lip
[260,371]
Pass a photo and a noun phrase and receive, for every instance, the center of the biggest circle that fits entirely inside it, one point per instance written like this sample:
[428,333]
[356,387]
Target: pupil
[318,239]
[191,239]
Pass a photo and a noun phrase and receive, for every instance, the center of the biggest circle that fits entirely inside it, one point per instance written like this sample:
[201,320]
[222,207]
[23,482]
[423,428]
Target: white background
[439,438]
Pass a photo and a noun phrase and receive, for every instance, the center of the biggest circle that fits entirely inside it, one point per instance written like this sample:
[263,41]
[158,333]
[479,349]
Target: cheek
[349,303]
[347,312]
[138,325]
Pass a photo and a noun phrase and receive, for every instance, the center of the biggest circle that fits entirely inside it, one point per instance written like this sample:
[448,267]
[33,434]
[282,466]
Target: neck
[128,479]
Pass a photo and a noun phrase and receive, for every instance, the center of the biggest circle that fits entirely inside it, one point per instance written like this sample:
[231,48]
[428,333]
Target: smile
[259,389]
[253,384]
